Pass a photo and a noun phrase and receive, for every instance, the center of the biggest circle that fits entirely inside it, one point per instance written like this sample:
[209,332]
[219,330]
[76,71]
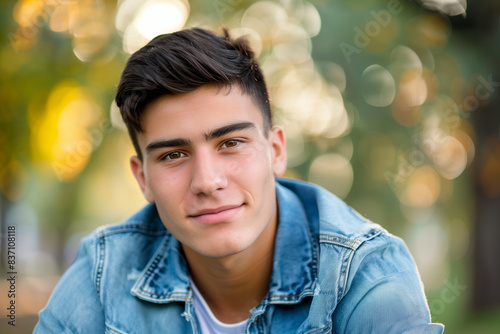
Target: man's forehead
[208,107]
[202,98]
[206,114]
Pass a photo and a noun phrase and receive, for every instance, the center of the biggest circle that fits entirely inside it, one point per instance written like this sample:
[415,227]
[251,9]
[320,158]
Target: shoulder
[330,217]
[146,221]
[367,273]
[132,242]
[143,225]
[106,266]
[360,244]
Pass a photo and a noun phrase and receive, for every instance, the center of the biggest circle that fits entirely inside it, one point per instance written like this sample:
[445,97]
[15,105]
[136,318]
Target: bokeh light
[448,7]
[61,134]
[403,59]
[141,21]
[429,244]
[422,188]
[334,172]
[378,86]
[157,17]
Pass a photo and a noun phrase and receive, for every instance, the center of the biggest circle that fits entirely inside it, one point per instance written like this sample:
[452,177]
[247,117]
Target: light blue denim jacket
[334,272]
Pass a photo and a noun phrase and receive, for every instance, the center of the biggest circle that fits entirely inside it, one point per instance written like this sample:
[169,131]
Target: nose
[208,174]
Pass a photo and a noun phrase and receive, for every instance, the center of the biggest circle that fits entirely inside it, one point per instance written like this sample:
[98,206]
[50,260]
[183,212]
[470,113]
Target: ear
[137,167]
[278,145]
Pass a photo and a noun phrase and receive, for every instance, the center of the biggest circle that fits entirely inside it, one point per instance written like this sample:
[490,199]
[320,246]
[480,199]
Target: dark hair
[183,61]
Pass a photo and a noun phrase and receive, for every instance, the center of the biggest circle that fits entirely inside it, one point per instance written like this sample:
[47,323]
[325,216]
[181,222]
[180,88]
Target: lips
[216,215]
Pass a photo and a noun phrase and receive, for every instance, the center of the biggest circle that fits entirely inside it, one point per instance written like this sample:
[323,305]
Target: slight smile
[216,215]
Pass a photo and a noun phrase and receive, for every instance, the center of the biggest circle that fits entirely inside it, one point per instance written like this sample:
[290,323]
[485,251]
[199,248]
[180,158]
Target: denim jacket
[333,272]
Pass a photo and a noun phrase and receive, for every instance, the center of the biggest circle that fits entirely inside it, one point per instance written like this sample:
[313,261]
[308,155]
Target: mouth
[216,215]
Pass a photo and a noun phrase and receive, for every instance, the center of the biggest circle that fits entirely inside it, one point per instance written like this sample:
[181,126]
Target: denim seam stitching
[100,245]
[115,329]
[319,329]
[135,228]
[315,253]
[300,296]
[346,266]
[339,241]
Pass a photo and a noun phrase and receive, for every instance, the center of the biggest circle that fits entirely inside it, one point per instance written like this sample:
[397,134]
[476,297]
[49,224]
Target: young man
[224,247]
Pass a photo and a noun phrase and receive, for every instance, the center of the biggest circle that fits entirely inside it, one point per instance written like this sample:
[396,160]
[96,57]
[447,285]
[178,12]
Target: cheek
[166,185]
[253,163]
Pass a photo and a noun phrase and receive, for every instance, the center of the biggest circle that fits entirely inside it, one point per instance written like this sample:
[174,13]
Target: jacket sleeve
[385,293]
[74,306]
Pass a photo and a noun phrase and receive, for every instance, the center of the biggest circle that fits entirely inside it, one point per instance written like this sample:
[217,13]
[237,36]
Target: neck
[234,284]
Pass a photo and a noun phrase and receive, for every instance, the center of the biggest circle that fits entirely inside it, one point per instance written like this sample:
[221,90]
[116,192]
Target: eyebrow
[224,130]
[214,134]
[167,143]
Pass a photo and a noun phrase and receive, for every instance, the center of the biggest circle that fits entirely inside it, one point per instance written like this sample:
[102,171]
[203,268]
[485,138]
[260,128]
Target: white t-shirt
[209,324]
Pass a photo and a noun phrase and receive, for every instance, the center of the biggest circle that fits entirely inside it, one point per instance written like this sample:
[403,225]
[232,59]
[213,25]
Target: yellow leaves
[27,12]
[61,134]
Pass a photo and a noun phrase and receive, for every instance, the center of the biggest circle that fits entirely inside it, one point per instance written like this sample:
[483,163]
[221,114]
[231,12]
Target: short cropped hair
[183,61]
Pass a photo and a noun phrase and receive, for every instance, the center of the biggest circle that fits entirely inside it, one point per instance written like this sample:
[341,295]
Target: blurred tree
[481,28]
[52,100]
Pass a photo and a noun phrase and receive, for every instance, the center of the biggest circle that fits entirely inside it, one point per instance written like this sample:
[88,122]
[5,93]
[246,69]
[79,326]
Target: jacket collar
[295,251]
[165,278]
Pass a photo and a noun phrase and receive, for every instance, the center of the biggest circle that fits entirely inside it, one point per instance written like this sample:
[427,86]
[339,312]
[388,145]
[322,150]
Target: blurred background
[391,105]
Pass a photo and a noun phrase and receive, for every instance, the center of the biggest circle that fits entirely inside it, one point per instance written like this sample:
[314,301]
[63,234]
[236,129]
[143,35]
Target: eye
[173,156]
[231,143]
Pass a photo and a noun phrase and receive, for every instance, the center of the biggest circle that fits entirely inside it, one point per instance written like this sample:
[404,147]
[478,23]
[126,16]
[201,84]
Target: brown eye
[174,155]
[231,143]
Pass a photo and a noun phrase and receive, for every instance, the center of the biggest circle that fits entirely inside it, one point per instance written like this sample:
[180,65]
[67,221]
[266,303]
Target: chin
[222,253]
[219,251]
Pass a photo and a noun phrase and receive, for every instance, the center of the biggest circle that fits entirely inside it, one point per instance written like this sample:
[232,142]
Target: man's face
[209,167]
